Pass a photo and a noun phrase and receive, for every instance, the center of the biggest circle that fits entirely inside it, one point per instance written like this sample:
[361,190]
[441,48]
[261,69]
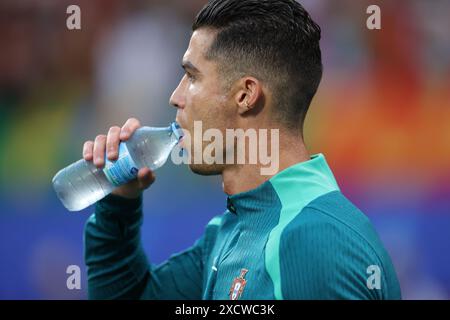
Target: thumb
[145,178]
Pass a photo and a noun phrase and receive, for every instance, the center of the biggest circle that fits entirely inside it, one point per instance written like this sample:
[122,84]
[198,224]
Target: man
[250,64]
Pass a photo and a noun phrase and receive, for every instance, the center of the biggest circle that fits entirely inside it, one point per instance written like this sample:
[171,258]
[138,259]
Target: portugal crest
[238,285]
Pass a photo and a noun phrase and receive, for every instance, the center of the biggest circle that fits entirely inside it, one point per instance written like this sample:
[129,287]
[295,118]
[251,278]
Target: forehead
[199,44]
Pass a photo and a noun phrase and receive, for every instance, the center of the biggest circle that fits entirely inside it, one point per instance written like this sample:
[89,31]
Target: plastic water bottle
[81,184]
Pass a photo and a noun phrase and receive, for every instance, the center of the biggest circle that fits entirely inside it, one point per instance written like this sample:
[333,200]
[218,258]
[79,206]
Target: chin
[206,169]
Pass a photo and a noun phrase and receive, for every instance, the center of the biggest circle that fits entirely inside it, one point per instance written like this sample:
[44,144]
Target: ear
[248,95]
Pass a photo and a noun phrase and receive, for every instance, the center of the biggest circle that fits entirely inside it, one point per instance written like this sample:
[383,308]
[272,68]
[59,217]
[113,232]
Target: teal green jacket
[294,237]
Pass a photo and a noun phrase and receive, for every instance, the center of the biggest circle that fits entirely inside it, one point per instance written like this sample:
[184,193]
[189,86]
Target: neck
[242,178]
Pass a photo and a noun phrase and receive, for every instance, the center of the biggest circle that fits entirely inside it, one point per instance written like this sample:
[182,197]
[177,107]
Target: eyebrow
[188,65]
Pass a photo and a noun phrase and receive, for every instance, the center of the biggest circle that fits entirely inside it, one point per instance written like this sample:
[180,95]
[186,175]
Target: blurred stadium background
[381,116]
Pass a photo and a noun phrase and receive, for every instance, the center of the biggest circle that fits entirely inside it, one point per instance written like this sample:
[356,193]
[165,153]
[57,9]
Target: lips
[181,140]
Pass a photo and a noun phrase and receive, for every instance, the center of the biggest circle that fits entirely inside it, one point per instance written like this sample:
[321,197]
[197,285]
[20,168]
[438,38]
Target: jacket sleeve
[117,266]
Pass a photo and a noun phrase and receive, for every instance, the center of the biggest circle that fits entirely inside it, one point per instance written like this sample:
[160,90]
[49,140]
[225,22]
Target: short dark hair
[274,40]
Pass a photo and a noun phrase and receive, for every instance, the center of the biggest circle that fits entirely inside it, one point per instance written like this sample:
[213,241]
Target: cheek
[206,104]
[193,97]
[198,101]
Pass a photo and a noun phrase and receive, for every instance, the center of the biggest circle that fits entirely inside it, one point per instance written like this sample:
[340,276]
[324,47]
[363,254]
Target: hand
[109,144]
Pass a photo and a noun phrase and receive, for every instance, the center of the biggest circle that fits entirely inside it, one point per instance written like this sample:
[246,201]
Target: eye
[190,76]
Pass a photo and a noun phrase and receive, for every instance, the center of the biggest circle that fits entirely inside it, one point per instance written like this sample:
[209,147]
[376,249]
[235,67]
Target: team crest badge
[238,285]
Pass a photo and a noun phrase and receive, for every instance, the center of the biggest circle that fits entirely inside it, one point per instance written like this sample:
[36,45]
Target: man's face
[200,97]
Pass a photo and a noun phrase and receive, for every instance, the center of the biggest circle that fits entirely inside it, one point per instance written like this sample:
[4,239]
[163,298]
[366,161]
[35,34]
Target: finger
[99,150]
[145,178]
[112,143]
[88,150]
[128,128]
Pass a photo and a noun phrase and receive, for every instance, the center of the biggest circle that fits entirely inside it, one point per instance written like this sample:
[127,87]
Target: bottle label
[121,170]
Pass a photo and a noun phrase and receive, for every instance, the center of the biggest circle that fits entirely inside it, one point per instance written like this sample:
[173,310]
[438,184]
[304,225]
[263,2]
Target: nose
[177,97]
